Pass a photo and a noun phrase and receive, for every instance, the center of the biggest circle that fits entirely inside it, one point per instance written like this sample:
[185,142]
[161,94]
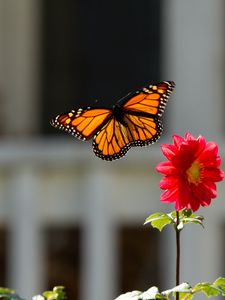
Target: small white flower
[38,297]
[181,288]
[135,295]
[150,293]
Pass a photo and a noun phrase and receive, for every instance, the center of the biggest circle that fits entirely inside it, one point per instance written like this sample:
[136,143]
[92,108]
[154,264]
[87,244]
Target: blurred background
[67,217]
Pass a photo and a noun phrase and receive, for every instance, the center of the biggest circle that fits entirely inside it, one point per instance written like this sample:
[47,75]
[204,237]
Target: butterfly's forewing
[151,99]
[82,123]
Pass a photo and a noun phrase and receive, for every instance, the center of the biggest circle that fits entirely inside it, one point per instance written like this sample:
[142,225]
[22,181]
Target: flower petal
[166,168]
[169,196]
[168,182]
[189,137]
[204,193]
[169,151]
[194,203]
[210,153]
[184,157]
[218,162]
[197,146]
[213,174]
[178,140]
[210,188]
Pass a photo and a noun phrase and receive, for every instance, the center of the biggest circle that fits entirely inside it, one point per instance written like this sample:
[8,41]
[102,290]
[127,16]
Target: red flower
[190,172]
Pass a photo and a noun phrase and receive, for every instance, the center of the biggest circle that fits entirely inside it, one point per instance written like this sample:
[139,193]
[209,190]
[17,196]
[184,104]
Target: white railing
[59,181]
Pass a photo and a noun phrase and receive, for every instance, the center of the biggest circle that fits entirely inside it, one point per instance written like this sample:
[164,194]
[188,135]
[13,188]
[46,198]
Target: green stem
[177,254]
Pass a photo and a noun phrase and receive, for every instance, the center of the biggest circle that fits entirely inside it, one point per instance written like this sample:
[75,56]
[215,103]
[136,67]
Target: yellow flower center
[194,173]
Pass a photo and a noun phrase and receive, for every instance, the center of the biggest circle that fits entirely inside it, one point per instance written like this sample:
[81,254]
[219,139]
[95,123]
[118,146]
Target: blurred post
[193,36]
[25,246]
[98,278]
[19,66]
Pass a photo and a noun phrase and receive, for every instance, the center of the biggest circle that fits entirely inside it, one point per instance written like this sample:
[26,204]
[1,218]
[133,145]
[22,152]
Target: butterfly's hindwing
[144,130]
[112,141]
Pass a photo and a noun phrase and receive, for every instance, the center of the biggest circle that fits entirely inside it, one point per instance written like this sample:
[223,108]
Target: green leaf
[187,217]
[58,293]
[187,212]
[194,219]
[8,294]
[158,220]
[207,288]
[6,291]
[186,296]
[186,292]
[219,281]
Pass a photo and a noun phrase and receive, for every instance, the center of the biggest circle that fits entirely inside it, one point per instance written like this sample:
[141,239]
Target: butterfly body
[119,114]
[132,121]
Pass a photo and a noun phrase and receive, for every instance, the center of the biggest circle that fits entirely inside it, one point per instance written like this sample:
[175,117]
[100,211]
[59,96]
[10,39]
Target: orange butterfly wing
[143,130]
[137,124]
[143,110]
[151,99]
[82,123]
[143,127]
[112,141]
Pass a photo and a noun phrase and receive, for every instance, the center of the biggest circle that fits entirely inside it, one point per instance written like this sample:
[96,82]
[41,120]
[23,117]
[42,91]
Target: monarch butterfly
[132,121]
